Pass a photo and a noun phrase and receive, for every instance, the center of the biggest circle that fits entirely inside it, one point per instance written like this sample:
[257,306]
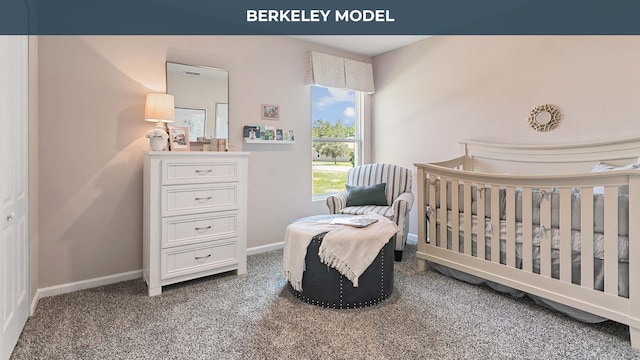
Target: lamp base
[157,143]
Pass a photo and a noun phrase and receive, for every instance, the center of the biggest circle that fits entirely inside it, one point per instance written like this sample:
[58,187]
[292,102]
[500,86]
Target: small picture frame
[179,138]
[251,132]
[270,112]
[279,136]
[269,133]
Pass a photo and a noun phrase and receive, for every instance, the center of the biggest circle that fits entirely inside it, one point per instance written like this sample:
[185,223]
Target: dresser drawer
[194,199]
[186,260]
[190,229]
[198,171]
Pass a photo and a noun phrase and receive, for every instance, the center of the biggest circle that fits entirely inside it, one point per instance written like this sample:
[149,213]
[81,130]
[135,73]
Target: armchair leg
[398,255]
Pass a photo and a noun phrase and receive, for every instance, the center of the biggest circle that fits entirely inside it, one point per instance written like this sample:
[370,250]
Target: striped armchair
[398,191]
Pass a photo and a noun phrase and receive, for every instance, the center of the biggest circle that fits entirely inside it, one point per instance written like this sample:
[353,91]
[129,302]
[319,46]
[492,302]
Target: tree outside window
[336,143]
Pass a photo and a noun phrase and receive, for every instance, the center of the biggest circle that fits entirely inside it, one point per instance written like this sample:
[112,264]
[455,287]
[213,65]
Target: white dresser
[195,215]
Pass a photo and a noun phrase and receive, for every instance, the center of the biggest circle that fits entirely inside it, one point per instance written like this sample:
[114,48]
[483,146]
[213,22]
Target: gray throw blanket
[351,250]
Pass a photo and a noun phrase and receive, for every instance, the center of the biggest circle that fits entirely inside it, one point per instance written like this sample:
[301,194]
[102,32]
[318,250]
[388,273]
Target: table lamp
[159,109]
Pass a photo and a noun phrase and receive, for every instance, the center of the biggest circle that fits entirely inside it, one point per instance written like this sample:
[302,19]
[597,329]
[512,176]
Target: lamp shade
[159,108]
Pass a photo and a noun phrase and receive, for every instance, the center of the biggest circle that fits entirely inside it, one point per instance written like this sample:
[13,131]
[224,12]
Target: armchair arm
[405,199]
[337,202]
[401,207]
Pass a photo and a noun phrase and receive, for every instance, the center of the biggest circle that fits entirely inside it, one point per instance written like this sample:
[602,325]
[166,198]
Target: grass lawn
[328,181]
[329,177]
[339,163]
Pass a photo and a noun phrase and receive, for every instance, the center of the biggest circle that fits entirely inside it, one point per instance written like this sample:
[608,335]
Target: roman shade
[337,72]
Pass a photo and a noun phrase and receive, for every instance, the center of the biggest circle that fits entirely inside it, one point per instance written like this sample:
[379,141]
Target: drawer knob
[203,228]
[202,257]
[202,172]
[203,199]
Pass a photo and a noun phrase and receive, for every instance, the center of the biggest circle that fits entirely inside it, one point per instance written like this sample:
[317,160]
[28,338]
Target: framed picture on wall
[270,112]
[193,119]
[179,138]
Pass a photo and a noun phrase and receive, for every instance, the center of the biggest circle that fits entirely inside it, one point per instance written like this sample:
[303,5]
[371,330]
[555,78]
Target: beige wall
[91,140]
[434,93]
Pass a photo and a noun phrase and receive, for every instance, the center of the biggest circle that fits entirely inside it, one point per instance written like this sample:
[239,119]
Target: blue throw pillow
[367,195]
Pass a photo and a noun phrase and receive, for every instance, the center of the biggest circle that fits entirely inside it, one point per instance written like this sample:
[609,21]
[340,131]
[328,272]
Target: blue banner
[329,17]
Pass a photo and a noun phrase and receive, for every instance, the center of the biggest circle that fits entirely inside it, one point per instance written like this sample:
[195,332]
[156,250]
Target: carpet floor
[254,316]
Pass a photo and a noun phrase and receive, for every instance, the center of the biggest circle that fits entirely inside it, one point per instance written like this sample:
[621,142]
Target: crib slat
[423,202]
[586,237]
[611,240]
[455,217]
[527,230]
[565,235]
[480,228]
[510,202]
[495,223]
[634,268]
[545,232]
[467,217]
[443,212]
[432,205]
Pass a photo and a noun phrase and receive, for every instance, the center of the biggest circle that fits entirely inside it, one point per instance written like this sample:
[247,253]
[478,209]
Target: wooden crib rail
[433,182]
[615,177]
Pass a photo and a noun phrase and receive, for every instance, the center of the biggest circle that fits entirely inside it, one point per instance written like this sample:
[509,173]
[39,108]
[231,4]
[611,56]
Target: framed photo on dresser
[179,138]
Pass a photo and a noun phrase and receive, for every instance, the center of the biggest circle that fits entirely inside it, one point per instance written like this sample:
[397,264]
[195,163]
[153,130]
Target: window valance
[334,71]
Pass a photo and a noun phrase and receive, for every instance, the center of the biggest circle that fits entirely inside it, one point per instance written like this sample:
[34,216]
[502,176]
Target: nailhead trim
[354,305]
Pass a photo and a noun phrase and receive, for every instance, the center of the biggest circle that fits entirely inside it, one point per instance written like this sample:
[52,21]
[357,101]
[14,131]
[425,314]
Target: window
[336,132]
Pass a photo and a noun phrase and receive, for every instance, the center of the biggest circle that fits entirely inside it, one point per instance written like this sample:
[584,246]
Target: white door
[14,215]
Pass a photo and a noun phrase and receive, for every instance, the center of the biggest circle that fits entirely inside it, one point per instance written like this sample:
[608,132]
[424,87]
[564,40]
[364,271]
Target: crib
[536,219]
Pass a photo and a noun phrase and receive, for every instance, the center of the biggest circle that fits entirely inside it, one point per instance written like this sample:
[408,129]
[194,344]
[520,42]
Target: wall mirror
[544,117]
[201,97]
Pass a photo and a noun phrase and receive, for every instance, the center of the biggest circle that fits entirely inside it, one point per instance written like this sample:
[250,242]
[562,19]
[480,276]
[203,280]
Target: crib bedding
[475,280]
[576,241]
[537,197]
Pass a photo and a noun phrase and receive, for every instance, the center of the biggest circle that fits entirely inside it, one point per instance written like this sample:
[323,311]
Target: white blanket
[297,238]
[351,250]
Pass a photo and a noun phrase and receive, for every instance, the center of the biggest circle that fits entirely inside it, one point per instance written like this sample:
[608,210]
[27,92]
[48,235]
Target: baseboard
[34,302]
[412,239]
[111,279]
[265,248]
[82,285]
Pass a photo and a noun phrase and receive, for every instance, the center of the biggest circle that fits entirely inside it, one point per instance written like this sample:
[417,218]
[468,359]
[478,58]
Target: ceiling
[369,45]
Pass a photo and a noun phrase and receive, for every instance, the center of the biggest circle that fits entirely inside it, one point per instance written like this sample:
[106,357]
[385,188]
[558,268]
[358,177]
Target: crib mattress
[576,240]
[537,197]
[538,231]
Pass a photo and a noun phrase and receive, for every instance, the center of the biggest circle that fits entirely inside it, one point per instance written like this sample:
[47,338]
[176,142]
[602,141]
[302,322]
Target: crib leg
[635,337]
[422,265]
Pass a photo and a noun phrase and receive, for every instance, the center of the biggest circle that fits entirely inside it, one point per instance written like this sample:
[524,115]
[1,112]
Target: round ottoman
[326,287]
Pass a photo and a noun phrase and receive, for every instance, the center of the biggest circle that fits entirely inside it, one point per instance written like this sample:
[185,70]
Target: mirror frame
[554,114]
[215,105]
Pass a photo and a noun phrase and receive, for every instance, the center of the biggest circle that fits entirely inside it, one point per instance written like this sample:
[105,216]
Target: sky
[331,104]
